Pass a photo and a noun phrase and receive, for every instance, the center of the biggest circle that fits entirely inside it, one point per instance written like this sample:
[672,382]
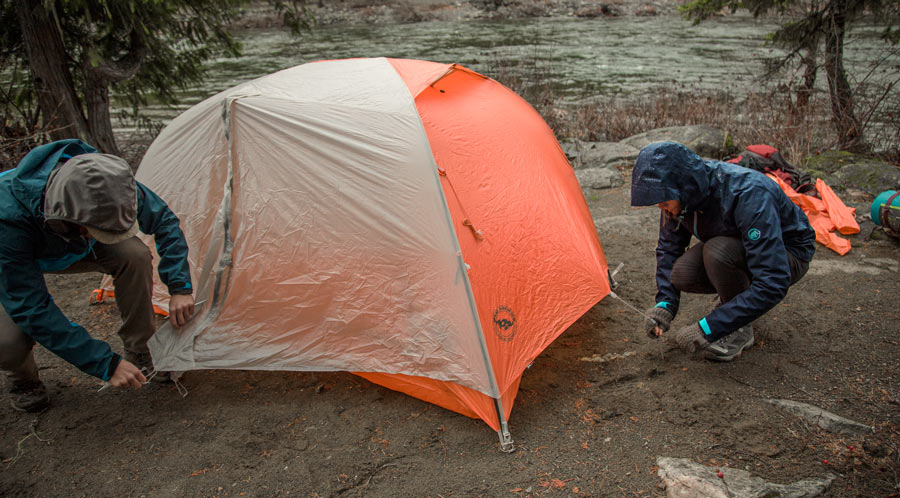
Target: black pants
[719,266]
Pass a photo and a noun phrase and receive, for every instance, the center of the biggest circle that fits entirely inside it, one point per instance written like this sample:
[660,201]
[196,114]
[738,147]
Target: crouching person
[68,209]
[754,243]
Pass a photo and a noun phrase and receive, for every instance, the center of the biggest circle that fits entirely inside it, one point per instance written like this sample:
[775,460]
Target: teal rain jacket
[28,249]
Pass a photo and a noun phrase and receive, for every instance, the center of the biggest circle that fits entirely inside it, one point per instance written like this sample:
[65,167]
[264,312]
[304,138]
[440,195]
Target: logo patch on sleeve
[753,234]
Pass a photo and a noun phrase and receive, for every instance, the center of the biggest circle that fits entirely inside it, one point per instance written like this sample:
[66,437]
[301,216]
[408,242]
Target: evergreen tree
[78,50]
[807,24]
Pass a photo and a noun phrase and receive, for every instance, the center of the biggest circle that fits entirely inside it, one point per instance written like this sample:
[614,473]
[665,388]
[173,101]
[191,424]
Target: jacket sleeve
[156,219]
[29,304]
[757,219]
[674,238]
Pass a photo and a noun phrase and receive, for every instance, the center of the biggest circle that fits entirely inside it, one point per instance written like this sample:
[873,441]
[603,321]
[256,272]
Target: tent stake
[506,441]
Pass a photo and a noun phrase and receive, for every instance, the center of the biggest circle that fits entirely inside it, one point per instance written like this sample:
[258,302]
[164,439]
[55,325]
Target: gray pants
[129,263]
[719,266]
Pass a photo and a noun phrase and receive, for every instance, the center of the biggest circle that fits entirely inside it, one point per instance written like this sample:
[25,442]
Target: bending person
[67,209]
[754,243]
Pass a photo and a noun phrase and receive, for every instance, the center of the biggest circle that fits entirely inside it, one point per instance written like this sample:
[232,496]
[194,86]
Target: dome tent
[412,222]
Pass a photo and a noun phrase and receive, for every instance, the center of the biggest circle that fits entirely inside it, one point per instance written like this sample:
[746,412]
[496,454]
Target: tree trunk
[799,107]
[96,98]
[848,128]
[98,74]
[53,84]
[810,63]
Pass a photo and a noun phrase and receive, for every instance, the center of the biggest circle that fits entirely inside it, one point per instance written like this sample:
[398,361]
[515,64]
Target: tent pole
[506,441]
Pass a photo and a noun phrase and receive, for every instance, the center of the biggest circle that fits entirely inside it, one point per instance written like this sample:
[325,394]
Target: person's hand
[126,375]
[658,321]
[690,338]
[181,309]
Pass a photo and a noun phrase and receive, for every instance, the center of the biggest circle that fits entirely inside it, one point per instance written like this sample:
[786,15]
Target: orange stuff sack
[819,212]
[844,218]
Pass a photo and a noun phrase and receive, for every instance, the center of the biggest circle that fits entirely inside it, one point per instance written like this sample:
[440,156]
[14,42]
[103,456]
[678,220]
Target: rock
[826,420]
[572,149]
[843,170]
[646,10]
[684,478]
[599,178]
[609,154]
[599,154]
[706,141]
[602,10]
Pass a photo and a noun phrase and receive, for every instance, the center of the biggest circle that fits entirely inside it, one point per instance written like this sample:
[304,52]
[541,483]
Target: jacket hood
[29,178]
[666,171]
[97,191]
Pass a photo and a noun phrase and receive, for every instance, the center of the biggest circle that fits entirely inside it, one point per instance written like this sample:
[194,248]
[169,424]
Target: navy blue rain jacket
[28,249]
[722,199]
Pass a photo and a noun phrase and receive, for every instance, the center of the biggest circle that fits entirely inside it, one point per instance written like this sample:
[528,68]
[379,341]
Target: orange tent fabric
[413,222]
[825,215]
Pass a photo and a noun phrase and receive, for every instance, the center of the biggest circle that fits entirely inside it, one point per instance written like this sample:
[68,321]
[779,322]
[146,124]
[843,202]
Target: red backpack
[767,159]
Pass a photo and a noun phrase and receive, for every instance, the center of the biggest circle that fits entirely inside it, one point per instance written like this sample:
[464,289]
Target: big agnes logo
[504,324]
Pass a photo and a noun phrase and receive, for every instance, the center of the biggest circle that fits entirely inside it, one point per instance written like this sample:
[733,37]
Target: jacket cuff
[181,290]
[113,365]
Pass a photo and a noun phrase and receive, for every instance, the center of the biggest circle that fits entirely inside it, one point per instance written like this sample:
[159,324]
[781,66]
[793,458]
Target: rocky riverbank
[405,11]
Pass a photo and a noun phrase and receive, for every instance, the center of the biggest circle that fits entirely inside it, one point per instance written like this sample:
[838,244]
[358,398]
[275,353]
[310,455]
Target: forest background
[63,61]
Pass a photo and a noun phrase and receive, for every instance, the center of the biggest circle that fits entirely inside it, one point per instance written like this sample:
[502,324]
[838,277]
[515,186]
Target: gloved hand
[661,318]
[691,338]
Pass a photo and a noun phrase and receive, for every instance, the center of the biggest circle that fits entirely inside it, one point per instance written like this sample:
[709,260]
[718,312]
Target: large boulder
[599,154]
[706,141]
[599,178]
[844,170]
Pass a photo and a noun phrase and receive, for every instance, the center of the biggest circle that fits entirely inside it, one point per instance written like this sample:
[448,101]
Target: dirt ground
[581,428]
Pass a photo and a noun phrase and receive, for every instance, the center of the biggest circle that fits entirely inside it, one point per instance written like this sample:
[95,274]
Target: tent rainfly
[411,222]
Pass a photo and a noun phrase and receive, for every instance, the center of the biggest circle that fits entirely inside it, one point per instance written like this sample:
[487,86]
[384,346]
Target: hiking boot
[730,346]
[144,362]
[30,397]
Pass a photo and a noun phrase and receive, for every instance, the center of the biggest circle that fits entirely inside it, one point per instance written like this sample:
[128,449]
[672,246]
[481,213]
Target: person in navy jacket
[754,243]
[68,209]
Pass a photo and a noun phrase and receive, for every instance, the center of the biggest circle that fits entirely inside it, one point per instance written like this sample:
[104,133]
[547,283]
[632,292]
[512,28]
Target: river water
[581,58]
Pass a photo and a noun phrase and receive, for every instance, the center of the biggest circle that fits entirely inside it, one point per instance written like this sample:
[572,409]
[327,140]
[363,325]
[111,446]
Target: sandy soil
[580,427]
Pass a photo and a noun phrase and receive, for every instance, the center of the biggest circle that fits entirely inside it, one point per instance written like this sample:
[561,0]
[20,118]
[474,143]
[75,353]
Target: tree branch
[117,70]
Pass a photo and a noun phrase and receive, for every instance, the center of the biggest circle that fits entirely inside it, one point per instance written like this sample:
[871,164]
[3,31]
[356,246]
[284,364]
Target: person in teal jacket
[68,209]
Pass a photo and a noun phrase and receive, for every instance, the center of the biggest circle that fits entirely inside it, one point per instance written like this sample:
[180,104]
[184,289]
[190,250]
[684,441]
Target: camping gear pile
[825,210]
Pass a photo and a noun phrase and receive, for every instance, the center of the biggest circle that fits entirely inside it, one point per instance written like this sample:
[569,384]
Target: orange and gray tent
[412,222]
